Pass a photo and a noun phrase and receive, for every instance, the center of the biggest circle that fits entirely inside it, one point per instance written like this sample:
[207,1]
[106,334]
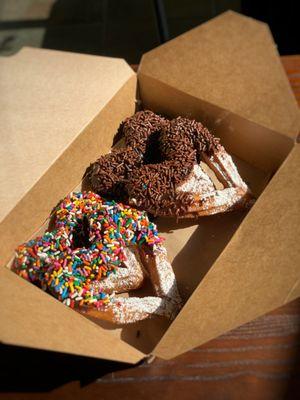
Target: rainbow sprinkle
[57,265]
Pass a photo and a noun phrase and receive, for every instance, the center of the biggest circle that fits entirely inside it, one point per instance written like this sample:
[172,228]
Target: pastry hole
[217,184]
[153,154]
[81,234]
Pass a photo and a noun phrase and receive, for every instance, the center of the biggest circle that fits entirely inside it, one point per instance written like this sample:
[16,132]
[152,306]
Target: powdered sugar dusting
[221,198]
[129,310]
[125,278]
[166,285]
[133,309]
[198,182]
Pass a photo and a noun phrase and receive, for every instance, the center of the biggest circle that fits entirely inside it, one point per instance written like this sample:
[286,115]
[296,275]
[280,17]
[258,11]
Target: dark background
[128,28]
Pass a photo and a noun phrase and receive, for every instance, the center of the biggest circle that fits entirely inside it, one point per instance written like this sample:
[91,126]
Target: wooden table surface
[259,360]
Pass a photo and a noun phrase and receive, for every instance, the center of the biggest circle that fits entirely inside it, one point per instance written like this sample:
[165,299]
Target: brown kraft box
[64,109]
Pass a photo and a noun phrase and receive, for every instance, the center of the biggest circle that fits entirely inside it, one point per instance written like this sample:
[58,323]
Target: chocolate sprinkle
[134,175]
[110,172]
[139,128]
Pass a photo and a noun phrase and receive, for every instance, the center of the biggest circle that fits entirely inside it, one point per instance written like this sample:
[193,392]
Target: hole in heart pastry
[153,154]
[81,234]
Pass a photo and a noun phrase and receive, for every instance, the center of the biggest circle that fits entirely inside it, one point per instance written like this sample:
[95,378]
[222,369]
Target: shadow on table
[293,385]
[110,28]
[30,370]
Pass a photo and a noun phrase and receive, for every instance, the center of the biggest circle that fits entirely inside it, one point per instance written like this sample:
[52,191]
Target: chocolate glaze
[159,156]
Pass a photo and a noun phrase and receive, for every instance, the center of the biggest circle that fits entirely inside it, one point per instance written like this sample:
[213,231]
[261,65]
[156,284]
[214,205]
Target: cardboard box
[64,109]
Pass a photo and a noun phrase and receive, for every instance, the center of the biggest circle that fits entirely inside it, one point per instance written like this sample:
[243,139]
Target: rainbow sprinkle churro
[87,244]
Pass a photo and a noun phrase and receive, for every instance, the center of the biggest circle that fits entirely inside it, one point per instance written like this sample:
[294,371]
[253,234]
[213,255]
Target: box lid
[261,268]
[47,98]
[58,112]
[230,61]
[63,110]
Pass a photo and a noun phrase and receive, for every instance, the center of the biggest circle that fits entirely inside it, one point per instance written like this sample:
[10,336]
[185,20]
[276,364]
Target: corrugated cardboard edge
[268,277]
[30,317]
[232,61]
[64,174]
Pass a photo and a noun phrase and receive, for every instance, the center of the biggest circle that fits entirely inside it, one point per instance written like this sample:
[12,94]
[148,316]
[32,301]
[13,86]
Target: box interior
[197,85]
[194,245]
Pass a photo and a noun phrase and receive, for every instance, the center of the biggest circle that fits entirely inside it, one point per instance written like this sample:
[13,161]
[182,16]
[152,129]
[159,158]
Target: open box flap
[258,271]
[30,317]
[230,61]
[47,98]
[59,112]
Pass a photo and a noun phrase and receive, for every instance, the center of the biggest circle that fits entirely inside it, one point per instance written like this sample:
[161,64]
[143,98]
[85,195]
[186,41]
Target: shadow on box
[207,239]
[30,370]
